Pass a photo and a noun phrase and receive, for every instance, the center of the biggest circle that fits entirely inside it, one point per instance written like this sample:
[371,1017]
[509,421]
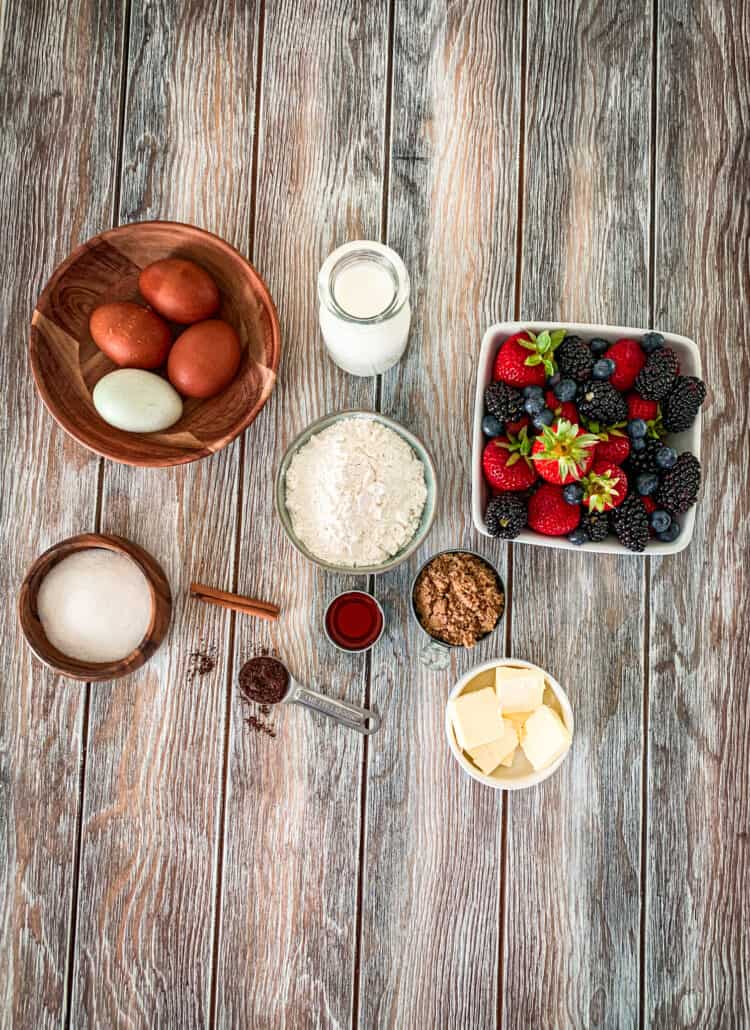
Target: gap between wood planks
[114,220]
[384,212]
[647,562]
[222,800]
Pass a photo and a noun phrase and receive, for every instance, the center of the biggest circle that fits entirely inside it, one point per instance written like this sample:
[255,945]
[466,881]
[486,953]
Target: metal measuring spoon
[267,681]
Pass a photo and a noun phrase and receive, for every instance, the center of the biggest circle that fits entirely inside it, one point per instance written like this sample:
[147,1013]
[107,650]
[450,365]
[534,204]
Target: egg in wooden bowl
[68,363]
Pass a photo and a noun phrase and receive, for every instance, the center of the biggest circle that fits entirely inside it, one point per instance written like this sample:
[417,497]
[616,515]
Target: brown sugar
[458,598]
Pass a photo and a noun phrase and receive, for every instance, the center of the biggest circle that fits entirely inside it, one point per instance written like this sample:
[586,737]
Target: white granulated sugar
[95,605]
[355,493]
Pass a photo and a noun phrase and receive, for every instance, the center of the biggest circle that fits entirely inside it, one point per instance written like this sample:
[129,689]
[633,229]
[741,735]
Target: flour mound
[355,493]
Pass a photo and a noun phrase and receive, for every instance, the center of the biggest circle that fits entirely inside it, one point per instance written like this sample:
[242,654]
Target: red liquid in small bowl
[354,621]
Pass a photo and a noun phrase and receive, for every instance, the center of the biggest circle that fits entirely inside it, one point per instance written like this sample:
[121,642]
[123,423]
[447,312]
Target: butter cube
[508,762]
[476,718]
[517,719]
[489,756]
[544,737]
[518,690]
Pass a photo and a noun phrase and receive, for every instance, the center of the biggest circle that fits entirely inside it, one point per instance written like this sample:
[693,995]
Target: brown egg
[131,335]
[179,290]
[204,359]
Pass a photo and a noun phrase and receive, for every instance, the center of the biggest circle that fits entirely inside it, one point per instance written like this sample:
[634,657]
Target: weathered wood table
[161,865]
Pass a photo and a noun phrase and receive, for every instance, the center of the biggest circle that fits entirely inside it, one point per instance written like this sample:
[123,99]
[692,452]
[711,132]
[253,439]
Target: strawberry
[549,512]
[506,463]
[562,409]
[605,487]
[525,359]
[649,411]
[629,359]
[563,452]
[639,407]
[514,428]
[613,446]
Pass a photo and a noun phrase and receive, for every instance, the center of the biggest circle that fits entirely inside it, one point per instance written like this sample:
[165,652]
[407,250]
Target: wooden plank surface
[698,899]
[289,898]
[59,67]
[432,859]
[573,872]
[226,878]
[144,944]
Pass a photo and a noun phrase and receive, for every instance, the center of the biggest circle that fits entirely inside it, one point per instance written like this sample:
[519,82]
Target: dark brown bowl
[161,609]
[67,364]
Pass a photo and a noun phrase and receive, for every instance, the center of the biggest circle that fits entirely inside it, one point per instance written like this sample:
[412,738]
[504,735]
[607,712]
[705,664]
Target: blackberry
[595,525]
[601,402]
[683,403]
[505,516]
[644,460]
[656,378]
[630,523]
[504,402]
[574,359]
[678,489]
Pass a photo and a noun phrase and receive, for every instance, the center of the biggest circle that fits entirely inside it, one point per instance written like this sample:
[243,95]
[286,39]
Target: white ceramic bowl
[521,774]
[690,440]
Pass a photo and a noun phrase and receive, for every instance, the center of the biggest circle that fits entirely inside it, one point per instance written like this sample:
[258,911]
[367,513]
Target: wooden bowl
[161,609]
[67,364]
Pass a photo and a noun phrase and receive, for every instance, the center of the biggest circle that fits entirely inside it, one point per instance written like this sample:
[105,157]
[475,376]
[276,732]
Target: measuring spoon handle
[356,718]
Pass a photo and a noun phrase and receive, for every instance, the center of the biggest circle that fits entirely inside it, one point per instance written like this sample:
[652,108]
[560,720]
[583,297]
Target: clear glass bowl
[428,514]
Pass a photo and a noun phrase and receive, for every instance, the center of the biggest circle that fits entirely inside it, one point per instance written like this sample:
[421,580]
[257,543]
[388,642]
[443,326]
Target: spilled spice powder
[201,660]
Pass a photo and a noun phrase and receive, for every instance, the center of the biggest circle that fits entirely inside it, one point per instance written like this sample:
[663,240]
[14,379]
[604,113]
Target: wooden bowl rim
[65,665]
[259,286]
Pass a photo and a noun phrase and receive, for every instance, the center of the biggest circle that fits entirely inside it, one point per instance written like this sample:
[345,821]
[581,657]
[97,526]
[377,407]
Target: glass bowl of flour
[356,492]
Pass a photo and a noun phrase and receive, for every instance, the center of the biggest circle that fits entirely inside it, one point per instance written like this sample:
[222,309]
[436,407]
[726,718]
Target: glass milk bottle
[364,307]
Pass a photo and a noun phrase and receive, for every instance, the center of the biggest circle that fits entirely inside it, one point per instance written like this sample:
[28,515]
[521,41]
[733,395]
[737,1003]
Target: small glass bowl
[428,514]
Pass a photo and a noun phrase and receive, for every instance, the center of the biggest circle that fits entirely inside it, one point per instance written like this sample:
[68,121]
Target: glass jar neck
[385,267]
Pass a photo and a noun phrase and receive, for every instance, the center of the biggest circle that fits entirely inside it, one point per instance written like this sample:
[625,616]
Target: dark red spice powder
[263,682]
[201,660]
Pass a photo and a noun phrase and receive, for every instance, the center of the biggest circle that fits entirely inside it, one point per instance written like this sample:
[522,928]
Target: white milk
[364,307]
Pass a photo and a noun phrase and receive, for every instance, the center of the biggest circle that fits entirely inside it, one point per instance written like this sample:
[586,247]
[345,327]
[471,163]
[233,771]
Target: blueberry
[603,368]
[565,390]
[553,380]
[647,483]
[534,405]
[544,418]
[598,346]
[533,391]
[637,428]
[638,443]
[670,534]
[492,426]
[573,493]
[666,457]
[651,342]
[577,537]
[660,521]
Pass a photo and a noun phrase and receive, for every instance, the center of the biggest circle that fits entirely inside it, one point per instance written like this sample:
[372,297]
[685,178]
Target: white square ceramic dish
[690,440]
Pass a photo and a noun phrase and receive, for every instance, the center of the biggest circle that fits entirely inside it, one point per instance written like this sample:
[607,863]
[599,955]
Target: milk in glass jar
[364,307]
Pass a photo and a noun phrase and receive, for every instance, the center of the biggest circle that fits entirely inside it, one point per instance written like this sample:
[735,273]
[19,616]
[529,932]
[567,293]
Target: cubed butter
[476,718]
[489,756]
[508,762]
[544,737]
[518,690]
[518,719]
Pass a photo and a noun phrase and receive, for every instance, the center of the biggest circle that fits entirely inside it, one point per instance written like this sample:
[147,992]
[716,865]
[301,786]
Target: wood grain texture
[288,929]
[573,874]
[59,66]
[698,900]
[432,862]
[151,797]
[67,364]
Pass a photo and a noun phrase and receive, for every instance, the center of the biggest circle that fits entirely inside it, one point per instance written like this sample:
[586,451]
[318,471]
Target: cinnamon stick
[235,602]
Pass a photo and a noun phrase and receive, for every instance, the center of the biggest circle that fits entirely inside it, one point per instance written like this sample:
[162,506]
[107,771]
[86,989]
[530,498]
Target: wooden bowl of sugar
[94,607]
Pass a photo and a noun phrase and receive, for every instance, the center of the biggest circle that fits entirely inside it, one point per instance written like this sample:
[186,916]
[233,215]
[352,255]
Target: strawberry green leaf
[533,359]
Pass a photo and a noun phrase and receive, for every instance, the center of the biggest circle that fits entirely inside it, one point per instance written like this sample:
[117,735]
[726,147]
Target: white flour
[355,493]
